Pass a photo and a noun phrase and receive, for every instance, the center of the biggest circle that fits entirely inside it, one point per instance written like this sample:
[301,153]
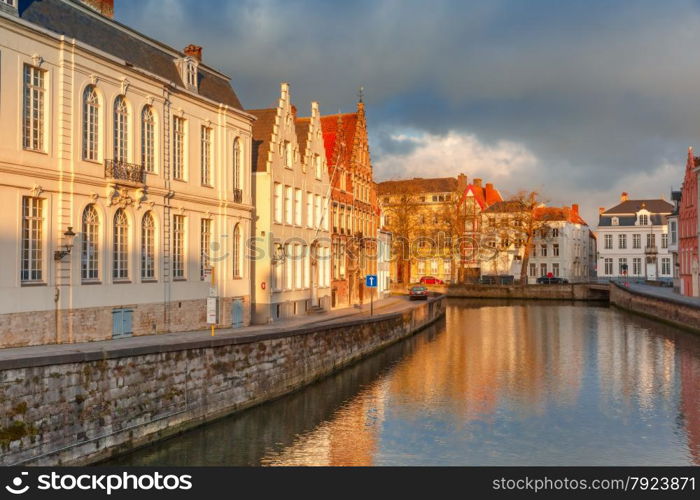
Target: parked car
[418,292]
[546,280]
[497,279]
[431,280]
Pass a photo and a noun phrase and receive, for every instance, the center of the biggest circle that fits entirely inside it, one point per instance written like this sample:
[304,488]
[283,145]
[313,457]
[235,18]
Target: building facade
[632,240]
[354,207]
[124,181]
[292,256]
[689,266]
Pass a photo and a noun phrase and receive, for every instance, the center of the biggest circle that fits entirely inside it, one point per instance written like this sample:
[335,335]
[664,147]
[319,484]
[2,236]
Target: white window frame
[34,108]
[148,139]
[91,123]
[179,133]
[277,195]
[32,250]
[205,156]
[120,246]
[89,245]
[121,130]
[179,249]
[148,250]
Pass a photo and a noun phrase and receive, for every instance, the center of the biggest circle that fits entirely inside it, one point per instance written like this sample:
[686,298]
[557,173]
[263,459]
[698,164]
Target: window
[615,221]
[317,210]
[543,250]
[543,269]
[148,137]
[636,241]
[643,220]
[666,266]
[651,240]
[89,259]
[608,266]
[120,265]
[33,109]
[555,269]
[555,232]
[447,267]
[622,241]
[672,229]
[148,253]
[287,152]
[191,71]
[205,247]
[278,202]
[236,164]
[91,115]
[288,214]
[664,240]
[121,130]
[307,266]
[178,148]
[298,264]
[421,267]
[297,206]
[278,276]
[318,166]
[434,266]
[324,213]
[179,246]
[622,266]
[32,239]
[555,249]
[608,242]
[637,266]
[309,209]
[289,270]
[533,269]
[205,159]
[11,3]
[236,251]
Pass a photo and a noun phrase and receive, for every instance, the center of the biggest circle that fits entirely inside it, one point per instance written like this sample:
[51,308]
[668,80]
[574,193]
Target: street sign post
[371,283]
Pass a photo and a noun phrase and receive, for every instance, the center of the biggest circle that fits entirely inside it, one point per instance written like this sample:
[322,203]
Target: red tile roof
[568,214]
[485,196]
[335,127]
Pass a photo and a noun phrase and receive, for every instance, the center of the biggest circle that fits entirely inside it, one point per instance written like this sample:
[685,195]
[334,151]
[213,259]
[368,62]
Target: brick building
[688,229]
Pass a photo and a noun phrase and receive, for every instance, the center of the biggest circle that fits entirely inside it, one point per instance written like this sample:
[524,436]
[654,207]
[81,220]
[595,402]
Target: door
[237,313]
[122,323]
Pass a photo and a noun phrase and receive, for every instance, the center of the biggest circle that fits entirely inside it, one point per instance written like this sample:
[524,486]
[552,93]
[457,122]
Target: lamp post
[67,247]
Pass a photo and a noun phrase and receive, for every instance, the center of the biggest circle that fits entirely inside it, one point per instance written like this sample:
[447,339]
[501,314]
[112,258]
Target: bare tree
[402,222]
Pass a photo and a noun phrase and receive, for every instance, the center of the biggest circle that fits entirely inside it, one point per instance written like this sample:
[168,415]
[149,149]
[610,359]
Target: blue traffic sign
[371,281]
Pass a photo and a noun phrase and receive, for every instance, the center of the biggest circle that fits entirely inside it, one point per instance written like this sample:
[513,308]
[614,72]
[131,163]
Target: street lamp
[59,254]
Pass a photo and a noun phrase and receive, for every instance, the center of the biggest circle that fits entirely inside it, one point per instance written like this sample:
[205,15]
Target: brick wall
[667,310]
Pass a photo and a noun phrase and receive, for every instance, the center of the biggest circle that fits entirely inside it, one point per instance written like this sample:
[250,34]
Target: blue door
[237,313]
[122,323]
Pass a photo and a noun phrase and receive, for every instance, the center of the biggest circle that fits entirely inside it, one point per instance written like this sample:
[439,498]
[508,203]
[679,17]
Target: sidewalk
[663,293]
[11,357]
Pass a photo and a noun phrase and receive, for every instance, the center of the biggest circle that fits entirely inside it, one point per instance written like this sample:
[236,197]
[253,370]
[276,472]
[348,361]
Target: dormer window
[615,221]
[188,72]
[8,6]
[643,220]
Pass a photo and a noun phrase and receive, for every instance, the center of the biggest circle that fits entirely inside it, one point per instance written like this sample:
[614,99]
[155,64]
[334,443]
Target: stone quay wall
[665,309]
[80,407]
[574,291]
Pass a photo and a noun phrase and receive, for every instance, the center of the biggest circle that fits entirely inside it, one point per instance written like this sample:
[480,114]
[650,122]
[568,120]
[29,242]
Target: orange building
[354,207]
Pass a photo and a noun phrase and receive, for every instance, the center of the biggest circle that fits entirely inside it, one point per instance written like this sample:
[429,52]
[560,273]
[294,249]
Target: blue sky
[579,100]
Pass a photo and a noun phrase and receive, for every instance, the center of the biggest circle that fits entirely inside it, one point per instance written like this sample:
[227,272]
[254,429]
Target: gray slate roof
[633,206]
[62,17]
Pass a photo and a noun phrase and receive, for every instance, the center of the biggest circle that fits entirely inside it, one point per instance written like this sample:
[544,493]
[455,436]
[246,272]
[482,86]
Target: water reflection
[499,383]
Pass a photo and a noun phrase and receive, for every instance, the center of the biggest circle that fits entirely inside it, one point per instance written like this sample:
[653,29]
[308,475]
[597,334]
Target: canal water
[495,383]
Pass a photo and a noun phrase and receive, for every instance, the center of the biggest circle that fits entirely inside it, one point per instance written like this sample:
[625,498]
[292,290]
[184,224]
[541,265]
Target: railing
[651,249]
[120,170]
[238,196]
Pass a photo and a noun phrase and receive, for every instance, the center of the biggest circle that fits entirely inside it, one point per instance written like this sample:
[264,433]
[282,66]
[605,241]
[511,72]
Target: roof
[335,127]
[485,196]
[302,126]
[566,214]
[262,133]
[657,206]
[417,185]
[508,206]
[65,18]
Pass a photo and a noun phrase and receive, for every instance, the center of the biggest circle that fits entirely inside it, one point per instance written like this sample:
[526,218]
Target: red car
[431,280]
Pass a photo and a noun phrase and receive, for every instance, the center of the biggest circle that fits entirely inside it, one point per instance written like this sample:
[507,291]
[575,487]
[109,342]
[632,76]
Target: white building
[674,240]
[138,149]
[633,240]
[292,256]
[565,249]
[383,262]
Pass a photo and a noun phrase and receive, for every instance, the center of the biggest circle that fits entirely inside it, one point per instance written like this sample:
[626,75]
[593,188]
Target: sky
[579,101]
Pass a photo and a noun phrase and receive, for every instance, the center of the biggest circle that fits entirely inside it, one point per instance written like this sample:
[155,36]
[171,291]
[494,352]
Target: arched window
[91,108]
[120,265]
[90,257]
[148,134]
[148,254]
[236,251]
[121,129]
[236,165]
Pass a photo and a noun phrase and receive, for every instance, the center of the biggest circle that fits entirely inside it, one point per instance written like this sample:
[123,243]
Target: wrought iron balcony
[651,249]
[238,196]
[123,171]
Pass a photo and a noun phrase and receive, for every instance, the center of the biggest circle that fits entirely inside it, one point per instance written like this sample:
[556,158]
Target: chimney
[489,186]
[624,196]
[104,7]
[294,111]
[601,210]
[461,183]
[574,208]
[194,51]
[477,182]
